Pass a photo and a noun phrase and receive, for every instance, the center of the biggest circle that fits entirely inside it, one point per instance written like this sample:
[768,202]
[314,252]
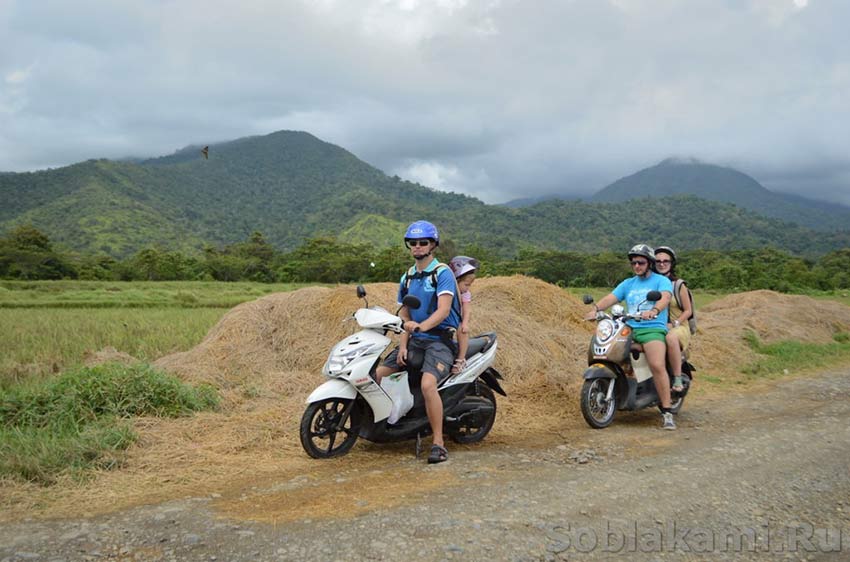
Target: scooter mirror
[587,299]
[361,291]
[653,296]
[411,302]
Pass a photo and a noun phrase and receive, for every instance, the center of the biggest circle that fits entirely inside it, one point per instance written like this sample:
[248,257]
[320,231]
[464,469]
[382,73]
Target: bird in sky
[206,152]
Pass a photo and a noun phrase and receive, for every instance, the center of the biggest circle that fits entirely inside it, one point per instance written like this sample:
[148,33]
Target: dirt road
[761,475]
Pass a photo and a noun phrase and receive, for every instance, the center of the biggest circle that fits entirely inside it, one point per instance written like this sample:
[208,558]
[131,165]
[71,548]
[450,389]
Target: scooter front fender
[599,371]
[333,388]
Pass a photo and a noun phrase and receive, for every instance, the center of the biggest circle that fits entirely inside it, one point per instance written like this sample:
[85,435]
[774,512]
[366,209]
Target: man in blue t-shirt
[429,328]
[651,331]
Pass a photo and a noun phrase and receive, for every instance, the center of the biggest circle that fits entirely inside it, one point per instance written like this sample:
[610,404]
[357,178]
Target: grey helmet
[668,250]
[644,251]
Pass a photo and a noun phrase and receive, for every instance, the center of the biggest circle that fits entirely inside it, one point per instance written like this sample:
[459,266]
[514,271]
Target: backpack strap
[455,299]
[677,286]
[412,274]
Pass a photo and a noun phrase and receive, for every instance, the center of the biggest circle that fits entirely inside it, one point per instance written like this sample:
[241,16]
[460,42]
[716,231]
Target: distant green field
[134,294]
[49,326]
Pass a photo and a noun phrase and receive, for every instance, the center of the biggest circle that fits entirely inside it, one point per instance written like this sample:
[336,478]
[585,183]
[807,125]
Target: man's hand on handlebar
[411,327]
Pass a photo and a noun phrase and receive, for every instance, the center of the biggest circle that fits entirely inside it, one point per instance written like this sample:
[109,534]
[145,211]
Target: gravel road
[761,475]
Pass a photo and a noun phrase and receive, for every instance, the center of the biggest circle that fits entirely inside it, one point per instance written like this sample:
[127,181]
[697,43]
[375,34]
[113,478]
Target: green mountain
[288,185]
[292,186]
[716,183]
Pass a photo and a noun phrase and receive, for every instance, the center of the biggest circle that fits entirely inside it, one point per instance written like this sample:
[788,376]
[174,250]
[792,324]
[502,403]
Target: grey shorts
[438,357]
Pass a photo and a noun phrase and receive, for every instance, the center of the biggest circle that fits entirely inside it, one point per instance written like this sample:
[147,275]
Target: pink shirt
[466,297]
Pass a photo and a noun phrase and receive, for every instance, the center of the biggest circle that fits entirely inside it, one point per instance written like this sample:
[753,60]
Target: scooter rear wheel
[322,434]
[597,412]
[477,427]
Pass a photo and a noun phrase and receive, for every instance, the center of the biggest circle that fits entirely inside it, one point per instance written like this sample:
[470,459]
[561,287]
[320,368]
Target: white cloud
[777,12]
[432,174]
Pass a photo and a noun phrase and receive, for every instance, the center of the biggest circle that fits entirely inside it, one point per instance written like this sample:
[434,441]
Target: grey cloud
[511,99]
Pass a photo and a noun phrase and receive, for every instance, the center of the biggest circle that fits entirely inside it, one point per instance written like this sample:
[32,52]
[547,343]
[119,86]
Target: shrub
[77,420]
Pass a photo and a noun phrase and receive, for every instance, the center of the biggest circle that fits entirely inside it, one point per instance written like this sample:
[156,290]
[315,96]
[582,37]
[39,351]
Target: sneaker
[667,421]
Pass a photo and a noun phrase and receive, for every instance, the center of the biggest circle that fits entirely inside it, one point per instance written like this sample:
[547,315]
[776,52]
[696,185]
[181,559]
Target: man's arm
[444,307]
[659,305]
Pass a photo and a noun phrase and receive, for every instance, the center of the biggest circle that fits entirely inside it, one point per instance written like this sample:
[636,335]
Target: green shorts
[643,335]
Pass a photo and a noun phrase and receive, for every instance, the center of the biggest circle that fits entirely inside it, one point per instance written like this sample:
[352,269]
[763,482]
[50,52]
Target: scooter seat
[480,343]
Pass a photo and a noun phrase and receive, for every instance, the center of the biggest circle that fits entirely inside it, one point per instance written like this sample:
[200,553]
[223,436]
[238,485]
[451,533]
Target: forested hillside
[292,187]
[718,183]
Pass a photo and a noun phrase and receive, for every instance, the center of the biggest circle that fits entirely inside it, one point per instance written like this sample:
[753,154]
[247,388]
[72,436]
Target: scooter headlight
[604,330]
[344,354]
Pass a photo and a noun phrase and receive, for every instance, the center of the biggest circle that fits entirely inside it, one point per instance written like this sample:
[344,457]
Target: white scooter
[350,404]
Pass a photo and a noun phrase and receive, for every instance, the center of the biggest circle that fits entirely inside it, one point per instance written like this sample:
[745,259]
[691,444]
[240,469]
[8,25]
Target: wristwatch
[675,323]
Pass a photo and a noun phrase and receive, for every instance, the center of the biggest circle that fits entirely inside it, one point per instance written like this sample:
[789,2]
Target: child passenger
[464,269]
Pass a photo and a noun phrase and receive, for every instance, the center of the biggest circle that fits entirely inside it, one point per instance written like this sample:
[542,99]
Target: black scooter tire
[317,423]
[478,435]
[588,393]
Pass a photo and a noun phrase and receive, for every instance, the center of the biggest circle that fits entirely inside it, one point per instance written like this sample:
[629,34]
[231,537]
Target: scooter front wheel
[329,427]
[597,411]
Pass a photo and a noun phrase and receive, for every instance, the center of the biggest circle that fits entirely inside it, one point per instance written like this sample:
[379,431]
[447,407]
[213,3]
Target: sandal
[459,365]
[678,384]
[438,454]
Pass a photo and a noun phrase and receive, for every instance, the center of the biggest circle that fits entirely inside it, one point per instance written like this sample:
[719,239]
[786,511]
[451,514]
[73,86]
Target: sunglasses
[420,242]
[639,262]
[663,261]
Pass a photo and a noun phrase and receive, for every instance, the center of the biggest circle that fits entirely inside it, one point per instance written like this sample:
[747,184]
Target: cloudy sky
[495,98]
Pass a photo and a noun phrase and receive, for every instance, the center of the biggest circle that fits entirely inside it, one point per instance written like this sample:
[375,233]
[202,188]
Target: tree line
[28,254]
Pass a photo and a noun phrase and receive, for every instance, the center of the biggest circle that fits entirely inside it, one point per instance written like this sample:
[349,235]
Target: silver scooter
[618,375]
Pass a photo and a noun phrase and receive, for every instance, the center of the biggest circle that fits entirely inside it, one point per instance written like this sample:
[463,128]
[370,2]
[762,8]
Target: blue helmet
[422,229]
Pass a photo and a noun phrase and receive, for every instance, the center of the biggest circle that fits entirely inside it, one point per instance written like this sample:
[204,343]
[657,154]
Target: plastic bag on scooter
[399,392]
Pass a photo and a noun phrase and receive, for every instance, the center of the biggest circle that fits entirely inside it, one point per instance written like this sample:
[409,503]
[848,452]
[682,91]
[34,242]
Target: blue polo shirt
[424,290]
[634,290]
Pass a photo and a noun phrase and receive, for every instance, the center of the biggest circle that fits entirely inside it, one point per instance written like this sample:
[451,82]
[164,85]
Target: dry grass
[265,357]
[719,347]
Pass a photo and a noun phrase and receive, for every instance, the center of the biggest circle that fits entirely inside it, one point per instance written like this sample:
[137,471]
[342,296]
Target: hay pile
[265,357]
[276,345]
[719,345]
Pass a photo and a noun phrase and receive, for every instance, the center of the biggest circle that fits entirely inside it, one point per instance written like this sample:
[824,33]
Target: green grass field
[57,417]
[49,326]
[136,294]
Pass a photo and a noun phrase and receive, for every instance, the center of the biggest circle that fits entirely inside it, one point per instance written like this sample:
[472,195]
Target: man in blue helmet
[430,327]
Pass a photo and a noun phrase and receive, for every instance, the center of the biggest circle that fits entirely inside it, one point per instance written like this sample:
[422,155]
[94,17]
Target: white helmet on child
[461,265]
